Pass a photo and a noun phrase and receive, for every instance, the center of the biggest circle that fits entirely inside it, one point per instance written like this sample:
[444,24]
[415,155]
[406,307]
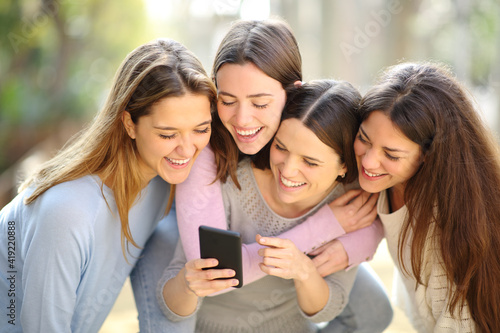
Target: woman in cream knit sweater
[423,145]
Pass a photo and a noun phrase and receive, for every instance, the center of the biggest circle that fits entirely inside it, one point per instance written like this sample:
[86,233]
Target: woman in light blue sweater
[71,237]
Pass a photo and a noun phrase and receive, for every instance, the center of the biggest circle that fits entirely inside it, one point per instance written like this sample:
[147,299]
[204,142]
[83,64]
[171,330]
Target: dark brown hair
[328,108]
[269,45]
[456,191]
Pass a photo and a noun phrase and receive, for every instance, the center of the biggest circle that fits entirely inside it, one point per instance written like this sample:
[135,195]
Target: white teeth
[178,162]
[373,174]
[248,132]
[289,183]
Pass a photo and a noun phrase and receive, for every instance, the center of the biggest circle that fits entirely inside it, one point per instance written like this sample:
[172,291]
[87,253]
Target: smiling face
[249,105]
[386,157]
[304,168]
[171,136]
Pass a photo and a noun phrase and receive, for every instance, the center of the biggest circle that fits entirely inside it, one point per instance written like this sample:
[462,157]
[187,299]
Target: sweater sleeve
[175,266]
[362,244]
[339,285]
[55,258]
[198,201]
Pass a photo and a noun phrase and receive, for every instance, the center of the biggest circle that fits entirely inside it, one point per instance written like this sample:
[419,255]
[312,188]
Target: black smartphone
[223,245]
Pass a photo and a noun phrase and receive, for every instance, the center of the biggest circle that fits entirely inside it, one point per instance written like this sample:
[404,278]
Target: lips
[372,176]
[177,163]
[247,134]
[290,184]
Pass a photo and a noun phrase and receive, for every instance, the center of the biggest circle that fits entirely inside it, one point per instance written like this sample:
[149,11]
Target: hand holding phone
[223,245]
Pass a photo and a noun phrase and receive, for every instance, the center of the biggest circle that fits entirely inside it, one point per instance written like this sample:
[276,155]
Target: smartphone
[223,245]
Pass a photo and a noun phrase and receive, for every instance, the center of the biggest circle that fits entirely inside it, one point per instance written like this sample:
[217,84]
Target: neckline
[248,168]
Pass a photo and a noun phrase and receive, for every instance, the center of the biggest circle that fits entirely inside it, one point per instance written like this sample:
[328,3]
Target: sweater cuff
[322,227]
[362,244]
[172,316]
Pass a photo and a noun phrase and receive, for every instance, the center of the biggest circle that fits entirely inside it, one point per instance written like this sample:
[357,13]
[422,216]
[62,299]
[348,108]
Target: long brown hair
[456,191]
[271,46]
[159,69]
[328,108]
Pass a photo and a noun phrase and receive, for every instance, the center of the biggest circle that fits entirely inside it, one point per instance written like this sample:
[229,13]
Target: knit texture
[269,304]
[426,305]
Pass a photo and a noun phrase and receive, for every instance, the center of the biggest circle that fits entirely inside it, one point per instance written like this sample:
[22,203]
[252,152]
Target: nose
[186,147]
[370,160]
[243,115]
[290,167]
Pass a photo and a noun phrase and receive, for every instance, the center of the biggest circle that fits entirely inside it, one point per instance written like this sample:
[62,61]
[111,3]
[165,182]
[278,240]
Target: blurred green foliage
[57,59]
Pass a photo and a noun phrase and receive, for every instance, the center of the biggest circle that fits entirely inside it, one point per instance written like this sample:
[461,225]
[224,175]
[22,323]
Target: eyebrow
[166,128]
[248,96]
[308,157]
[395,150]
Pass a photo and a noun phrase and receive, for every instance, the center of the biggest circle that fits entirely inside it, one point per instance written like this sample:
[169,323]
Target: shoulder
[81,192]
[246,179]
[203,171]
[69,205]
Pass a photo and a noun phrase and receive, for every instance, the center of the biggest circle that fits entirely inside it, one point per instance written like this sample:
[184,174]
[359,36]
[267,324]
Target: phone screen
[223,245]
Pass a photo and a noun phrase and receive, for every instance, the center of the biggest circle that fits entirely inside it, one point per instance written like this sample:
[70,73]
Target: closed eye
[311,164]
[360,138]
[261,106]
[226,103]
[278,147]
[392,158]
[163,136]
[203,131]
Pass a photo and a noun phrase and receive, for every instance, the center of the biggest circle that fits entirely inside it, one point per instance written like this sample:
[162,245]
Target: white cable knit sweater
[425,306]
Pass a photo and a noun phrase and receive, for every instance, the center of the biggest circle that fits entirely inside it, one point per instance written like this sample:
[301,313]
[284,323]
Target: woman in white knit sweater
[423,145]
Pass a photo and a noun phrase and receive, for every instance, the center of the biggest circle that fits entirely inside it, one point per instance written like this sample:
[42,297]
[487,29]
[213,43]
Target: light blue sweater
[61,260]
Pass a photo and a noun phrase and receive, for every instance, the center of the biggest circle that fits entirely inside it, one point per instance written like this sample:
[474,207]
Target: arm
[55,257]
[198,202]
[283,259]
[319,298]
[183,284]
[361,244]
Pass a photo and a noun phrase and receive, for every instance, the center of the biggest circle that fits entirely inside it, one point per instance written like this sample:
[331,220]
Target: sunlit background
[58,57]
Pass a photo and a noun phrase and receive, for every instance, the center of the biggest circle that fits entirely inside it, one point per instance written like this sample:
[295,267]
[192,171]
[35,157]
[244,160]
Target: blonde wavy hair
[158,69]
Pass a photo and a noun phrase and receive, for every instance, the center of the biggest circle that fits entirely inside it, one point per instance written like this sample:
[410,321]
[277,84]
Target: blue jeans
[155,257]
[368,310]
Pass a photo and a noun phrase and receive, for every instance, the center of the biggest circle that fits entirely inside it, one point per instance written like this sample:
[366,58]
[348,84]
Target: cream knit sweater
[425,305]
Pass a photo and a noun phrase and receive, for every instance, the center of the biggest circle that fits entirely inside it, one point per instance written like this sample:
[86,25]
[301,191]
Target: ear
[343,171]
[128,124]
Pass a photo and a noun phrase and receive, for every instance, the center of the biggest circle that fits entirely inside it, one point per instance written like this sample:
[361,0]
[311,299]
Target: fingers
[273,242]
[364,199]
[360,212]
[281,258]
[367,210]
[320,255]
[331,267]
[202,280]
[368,218]
[332,259]
[198,264]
